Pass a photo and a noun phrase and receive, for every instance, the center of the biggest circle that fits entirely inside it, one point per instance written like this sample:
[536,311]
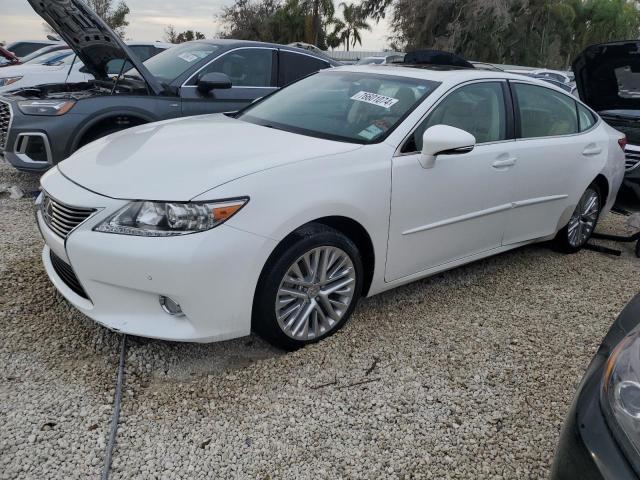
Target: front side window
[585,117]
[346,106]
[544,112]
[248,67]
[478,108]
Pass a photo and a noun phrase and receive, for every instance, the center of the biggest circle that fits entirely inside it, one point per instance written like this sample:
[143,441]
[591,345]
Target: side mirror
[212,81]
[444,140]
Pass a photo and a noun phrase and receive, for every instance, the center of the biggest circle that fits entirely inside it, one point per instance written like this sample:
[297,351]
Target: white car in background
[62,66]
[382,60]
[22,48]
[350,182]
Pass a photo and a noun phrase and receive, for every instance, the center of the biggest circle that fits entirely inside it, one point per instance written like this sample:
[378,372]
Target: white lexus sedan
[345,184]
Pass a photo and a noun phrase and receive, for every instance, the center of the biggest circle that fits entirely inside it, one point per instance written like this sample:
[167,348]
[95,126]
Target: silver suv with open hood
[42,125]
[608,80]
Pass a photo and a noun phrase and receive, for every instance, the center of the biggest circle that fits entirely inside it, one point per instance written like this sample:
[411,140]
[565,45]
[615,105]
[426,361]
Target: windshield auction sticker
[375,99]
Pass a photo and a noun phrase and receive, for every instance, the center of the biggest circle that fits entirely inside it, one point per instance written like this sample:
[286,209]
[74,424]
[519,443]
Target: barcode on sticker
[375,99]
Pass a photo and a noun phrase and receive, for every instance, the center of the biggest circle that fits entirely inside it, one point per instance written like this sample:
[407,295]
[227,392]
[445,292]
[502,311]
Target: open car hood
[90,38]
[608,75]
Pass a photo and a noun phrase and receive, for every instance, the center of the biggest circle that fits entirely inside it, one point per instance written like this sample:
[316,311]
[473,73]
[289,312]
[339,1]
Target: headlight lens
[46,107]
[6,81]
[621,390]
[166,219]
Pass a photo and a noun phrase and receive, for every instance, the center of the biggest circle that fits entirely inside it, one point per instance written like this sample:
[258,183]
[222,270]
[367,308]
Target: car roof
[438,73]
[228,44]
[443,74]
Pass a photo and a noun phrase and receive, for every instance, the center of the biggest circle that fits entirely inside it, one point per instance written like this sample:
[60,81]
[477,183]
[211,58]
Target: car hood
[90,38]
[180,159]
[608,75]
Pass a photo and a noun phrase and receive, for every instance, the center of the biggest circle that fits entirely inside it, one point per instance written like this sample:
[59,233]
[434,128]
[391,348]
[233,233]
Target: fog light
[171,306]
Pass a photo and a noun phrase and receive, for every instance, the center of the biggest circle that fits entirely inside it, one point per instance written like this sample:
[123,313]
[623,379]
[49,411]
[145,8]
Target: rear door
[253,72]
[553,147]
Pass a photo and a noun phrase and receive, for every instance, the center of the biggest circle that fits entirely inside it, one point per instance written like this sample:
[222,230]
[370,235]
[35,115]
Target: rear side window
[294,66]
[586,119]
[544,112]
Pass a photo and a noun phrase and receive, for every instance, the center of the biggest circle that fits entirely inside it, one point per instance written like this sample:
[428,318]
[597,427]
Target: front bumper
[212,275]
[587,449]
[35,143]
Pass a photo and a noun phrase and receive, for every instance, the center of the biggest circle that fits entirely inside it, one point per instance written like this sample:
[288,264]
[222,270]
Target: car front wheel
[575,235]
[309,288]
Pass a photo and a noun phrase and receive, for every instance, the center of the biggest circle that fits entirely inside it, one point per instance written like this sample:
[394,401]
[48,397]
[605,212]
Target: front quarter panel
[356,185]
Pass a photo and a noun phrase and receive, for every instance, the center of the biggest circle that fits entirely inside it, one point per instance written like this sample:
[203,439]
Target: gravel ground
[468,374]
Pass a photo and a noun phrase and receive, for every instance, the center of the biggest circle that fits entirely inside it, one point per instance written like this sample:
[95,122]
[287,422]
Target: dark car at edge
[600,439]
[41,126]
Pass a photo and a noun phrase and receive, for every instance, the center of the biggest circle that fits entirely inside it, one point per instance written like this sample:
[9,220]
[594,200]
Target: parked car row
[311,187]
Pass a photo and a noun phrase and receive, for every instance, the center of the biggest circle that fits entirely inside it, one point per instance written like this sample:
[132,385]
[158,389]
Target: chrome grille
[5,123]
[632,159]
[61,218]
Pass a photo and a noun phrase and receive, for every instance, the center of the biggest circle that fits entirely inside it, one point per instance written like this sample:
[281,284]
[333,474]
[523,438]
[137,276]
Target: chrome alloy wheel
[584,218]
[315,293]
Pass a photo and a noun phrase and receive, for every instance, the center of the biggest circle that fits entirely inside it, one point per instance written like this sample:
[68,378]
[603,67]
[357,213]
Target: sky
[148,19]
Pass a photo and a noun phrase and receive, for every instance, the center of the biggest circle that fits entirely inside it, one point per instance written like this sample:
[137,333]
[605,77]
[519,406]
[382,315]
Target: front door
[457,208]
[253,74]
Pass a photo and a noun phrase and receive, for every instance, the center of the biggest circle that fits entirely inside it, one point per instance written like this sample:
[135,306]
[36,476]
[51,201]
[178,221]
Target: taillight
[622,142]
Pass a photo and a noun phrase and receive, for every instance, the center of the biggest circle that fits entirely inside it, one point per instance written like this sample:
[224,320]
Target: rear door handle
[591,150]
[509,162]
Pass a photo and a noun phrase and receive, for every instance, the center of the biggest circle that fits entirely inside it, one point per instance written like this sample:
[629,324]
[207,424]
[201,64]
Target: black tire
[562,242]
[302,241]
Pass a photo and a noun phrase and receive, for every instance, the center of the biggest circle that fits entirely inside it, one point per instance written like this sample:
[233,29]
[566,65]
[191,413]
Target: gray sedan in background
[42,125]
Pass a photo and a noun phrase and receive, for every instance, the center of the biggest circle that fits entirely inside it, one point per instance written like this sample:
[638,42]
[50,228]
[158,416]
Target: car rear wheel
[309,288]
[575,235]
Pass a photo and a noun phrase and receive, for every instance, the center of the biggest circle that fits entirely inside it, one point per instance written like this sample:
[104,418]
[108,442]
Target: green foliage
[279,21]
[114,16]
[524,32]
[172,36]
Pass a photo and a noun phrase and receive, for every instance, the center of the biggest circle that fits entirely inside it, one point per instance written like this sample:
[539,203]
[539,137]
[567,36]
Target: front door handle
[591,150]
[509,162]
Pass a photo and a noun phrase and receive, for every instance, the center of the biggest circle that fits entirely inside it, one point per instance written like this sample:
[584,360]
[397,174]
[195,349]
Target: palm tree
[317,10]
[354,21]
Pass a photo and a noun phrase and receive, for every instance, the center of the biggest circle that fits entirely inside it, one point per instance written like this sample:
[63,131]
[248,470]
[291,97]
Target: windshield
[346,106]
[50,58]
[170,64]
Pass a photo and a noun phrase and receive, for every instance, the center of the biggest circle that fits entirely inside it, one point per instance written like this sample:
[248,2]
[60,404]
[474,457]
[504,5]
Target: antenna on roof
[53,38]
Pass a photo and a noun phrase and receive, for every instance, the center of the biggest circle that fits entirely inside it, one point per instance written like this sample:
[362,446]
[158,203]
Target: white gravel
[465,375]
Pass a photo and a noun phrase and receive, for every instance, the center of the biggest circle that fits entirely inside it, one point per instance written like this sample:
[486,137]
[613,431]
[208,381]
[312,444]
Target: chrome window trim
[398,152]
[184,84]
[24,157]
[11,114]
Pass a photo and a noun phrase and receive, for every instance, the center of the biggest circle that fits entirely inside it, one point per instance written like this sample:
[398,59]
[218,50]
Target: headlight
[46,107]
[6,81]
[621,391]
[165,219]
